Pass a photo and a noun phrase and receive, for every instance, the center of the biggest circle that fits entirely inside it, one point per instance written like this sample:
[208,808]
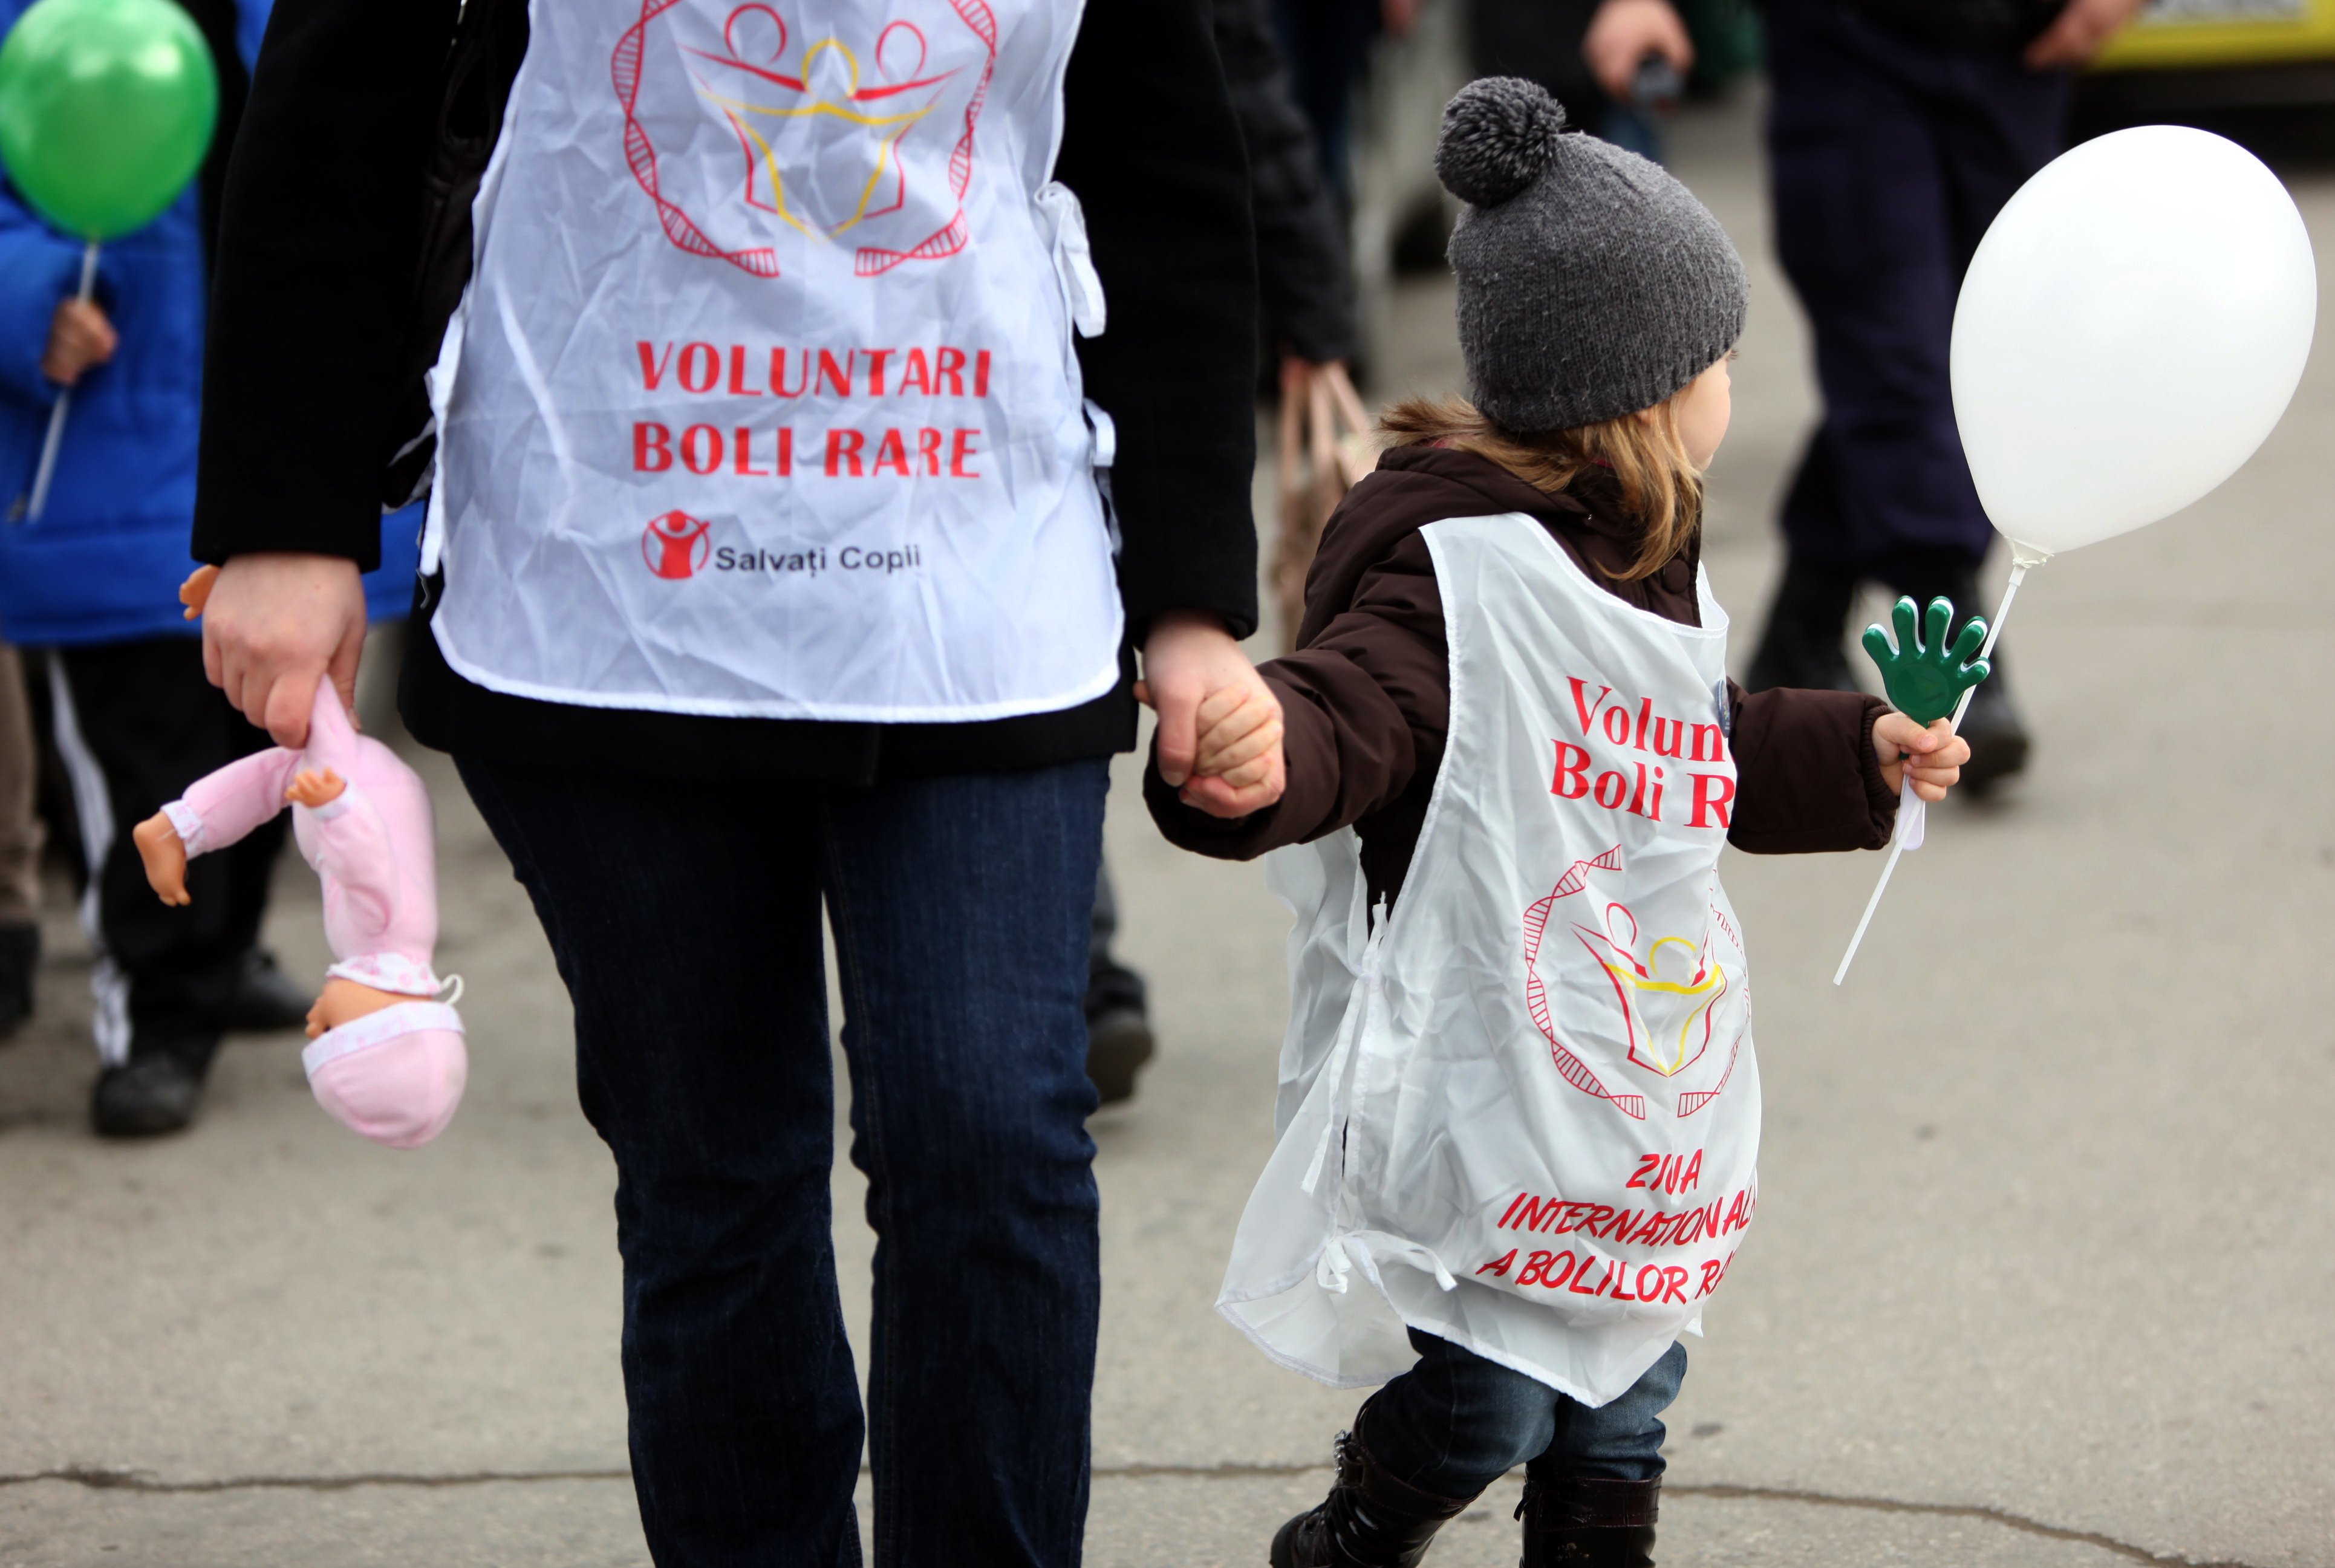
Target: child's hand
[1221,797]
[1238,765]
[80,337]
[165,855]
[1237,726]
[312,789]
[1935,755]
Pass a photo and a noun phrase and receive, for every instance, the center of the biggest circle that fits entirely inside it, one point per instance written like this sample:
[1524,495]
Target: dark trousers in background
[21,833]
[685,921]
[1328,45]
[1888,158]
[1112,986]
[135,724]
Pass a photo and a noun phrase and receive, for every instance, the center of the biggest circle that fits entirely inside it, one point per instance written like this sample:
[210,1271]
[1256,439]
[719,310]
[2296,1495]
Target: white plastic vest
[1521,1114]
[762,399]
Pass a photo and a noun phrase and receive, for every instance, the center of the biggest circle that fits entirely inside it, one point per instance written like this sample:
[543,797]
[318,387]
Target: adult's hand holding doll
[275,624]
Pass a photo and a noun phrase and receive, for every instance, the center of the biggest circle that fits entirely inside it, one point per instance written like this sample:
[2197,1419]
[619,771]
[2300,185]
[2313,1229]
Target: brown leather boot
[1369,1519]
[1585,1524]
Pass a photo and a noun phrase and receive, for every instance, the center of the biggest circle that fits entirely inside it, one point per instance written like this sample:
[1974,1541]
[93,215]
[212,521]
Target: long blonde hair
[1659,485]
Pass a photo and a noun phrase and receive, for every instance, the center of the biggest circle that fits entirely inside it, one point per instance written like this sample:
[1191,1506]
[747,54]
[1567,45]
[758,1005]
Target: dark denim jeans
[685,921]
[1456,1423]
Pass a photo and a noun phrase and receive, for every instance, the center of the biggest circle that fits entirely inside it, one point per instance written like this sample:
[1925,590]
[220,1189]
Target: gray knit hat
[1591,283]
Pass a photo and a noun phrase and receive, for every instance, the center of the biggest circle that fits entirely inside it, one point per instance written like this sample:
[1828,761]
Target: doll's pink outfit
[395,1075]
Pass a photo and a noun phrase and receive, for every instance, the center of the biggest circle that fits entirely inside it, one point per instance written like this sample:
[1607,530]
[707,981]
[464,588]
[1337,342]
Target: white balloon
[2130,329]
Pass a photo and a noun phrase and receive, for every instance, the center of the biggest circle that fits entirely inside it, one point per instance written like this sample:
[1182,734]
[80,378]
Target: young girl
[1519,1108]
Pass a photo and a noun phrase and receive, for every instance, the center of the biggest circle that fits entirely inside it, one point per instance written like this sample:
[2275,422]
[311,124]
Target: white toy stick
[1911,813]
[39,501]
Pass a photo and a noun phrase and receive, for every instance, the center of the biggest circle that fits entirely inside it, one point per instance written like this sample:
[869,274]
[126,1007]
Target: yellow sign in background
[2180,34]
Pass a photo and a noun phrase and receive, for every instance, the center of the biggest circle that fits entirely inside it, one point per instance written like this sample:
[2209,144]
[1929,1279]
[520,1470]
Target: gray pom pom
[1498,134]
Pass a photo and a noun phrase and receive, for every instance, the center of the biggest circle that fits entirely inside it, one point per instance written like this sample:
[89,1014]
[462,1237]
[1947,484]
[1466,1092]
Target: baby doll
[385,1056]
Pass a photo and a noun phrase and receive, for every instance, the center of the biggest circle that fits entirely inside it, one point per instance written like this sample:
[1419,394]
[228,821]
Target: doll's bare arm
[218,809]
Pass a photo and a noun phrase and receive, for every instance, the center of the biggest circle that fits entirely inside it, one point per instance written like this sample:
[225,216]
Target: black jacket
[316,260]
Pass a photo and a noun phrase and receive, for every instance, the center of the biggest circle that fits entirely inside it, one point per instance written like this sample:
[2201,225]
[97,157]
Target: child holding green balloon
[107,116]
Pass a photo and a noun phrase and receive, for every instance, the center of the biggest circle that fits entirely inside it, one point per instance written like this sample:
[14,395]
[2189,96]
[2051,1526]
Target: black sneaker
[154,1093]
[1802,644]
[20,958]
[1118,1042]
[265,998]
[1998,739]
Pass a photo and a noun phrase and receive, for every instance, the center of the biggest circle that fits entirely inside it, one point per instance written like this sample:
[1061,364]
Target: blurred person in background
[1305,282]
[1896,130]
[1328,46]
[1589,54]
[1618,66]
[95,582]
[1306,290]
[21,838]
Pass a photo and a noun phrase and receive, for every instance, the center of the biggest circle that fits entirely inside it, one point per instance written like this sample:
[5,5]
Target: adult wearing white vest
[839,396]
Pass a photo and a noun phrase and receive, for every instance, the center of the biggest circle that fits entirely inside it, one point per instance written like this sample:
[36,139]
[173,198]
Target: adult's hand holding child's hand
[1241,766]
[1190,662]
[1935,754]
[275,623]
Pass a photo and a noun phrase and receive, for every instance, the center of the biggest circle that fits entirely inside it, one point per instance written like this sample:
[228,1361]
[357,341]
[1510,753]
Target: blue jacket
[105,562]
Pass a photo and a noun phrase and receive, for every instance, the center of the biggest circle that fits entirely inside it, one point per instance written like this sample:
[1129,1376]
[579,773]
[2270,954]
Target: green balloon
[106,110]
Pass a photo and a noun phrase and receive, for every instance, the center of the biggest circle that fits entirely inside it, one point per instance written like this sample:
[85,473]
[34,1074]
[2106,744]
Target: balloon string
[38,501]
[2022,556]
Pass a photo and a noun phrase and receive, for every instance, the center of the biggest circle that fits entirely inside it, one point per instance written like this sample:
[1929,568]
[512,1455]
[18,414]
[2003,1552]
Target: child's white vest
[762,399]
[1522,1114]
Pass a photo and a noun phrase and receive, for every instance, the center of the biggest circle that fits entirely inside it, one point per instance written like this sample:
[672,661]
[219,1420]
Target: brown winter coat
[1367,696]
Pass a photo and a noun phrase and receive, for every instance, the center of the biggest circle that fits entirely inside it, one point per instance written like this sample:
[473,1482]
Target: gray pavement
[2041,1280]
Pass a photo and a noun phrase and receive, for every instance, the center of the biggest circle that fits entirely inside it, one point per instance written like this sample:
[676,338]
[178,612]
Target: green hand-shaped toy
[1924,677]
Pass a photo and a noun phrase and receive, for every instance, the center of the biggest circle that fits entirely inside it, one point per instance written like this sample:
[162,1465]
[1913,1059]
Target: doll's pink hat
[395,1076]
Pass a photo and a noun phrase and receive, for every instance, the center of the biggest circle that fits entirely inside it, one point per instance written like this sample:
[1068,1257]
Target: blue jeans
[685,921]
[1456,1423]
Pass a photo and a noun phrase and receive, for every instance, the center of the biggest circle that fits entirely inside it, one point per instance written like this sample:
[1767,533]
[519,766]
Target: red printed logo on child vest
[751,133]
[675,544]
[1629,760]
